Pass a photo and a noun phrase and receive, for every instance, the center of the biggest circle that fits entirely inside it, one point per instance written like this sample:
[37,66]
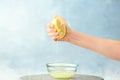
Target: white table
[47,77]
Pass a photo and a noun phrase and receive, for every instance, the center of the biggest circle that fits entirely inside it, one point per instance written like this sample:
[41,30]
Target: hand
[54,34]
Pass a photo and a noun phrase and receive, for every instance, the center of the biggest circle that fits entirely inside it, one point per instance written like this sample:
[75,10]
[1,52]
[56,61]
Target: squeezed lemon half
[59,26]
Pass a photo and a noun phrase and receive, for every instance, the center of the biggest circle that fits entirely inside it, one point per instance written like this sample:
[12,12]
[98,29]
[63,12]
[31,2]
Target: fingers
[50,29]
[52,32]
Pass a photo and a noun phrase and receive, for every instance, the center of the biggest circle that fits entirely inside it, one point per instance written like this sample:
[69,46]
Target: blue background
[25,47]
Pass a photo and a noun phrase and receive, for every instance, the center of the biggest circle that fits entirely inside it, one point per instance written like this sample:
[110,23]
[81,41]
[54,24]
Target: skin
[106,47]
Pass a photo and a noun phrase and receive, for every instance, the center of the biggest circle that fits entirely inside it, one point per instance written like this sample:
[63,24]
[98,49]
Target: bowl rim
[62,65]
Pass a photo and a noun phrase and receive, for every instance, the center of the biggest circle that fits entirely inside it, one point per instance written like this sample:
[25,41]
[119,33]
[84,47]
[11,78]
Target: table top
[48,77]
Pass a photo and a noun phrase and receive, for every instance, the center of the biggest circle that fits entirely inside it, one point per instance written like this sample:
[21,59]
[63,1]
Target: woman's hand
[54,34]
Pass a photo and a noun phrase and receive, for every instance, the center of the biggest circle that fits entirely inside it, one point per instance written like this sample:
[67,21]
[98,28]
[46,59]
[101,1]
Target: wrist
[69,35]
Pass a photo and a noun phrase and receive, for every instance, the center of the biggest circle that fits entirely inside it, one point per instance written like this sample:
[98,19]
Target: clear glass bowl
[62,70]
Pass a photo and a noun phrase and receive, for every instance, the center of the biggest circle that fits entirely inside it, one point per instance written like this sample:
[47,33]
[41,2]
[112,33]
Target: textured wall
[25,47]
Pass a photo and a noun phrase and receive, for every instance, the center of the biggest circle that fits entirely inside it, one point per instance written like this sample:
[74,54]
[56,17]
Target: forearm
[109,48]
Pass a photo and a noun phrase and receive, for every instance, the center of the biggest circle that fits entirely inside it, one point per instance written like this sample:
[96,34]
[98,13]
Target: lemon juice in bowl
[62,70]
[62,74]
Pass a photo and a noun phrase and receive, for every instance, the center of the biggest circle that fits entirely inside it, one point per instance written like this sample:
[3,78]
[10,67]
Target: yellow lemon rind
[60,27]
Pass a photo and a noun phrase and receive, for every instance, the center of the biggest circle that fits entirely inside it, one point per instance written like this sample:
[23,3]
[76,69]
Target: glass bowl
[62,70]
